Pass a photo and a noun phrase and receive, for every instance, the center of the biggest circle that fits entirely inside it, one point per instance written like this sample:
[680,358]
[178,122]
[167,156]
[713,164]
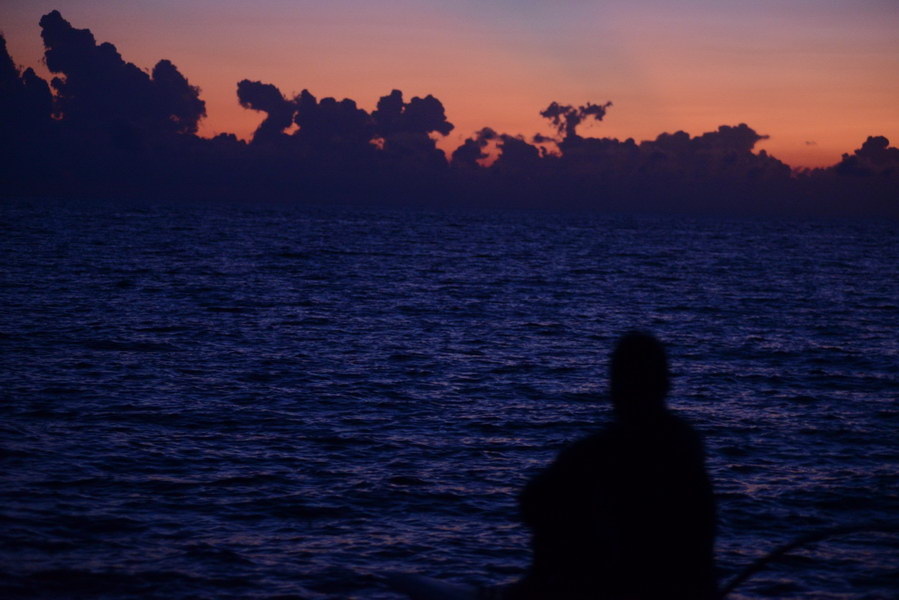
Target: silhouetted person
[628,512]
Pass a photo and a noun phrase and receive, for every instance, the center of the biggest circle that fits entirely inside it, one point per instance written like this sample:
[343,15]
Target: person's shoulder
[679,423]
[682,432]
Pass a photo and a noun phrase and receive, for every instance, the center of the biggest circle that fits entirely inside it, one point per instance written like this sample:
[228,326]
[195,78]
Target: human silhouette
[628,512]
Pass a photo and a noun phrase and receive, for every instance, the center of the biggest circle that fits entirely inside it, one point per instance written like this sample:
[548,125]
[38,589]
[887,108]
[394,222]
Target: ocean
[205,401]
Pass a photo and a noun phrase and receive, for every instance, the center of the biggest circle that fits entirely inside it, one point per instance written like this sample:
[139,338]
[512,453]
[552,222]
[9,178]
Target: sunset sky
[817,76]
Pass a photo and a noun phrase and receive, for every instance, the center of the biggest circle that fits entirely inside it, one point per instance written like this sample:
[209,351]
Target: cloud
[472,150]
[332,122]
[95,86]
[28,135]
[512,153]
[741,138]
[875,158]
[181,101]
[113,129]
[425,115]
[516,155]
[565,118]
[265,97]
[404,129]
[420,115]
[25,99]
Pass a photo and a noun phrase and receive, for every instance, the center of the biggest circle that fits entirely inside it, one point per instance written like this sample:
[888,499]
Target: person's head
[638,375]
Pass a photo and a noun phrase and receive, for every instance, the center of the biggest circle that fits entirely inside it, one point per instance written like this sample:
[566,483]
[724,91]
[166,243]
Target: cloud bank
[104,127]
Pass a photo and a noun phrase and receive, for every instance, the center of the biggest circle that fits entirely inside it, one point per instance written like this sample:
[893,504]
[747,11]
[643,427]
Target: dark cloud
[565,118]
[725,153]
[421,115]
[875,158]
[95,86]
[472,150]
[469,154]
[388,116]
[25,99]
[27,132]
[513,154]
[182,100]
[114,129]
[404,129]
[516,155]
[332,122]
[265,97]
[741,138]
[425,115]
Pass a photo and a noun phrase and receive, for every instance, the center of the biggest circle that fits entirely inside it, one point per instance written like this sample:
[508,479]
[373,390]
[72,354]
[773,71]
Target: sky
[817,76]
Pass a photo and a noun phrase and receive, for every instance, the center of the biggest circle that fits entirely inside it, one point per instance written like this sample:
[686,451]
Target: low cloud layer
[103,126]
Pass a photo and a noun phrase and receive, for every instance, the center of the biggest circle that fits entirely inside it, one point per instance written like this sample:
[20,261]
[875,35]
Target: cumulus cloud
[875,158]
[473,149]
[94,85]
[265,97]
[425,115]
[516,155]
[25,99]
[419,115]
[404,129]
[566,118]
[512,153]
[181,101]
[741,138]
[330,121]
[28,135]
[728,151]
[113,128]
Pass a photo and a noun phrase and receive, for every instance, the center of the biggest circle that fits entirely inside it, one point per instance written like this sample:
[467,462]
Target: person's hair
[638,374]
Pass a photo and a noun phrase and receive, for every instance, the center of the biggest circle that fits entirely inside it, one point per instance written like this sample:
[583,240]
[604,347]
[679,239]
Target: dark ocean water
[204,402]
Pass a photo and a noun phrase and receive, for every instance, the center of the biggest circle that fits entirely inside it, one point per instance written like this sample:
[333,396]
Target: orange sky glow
[817,77]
